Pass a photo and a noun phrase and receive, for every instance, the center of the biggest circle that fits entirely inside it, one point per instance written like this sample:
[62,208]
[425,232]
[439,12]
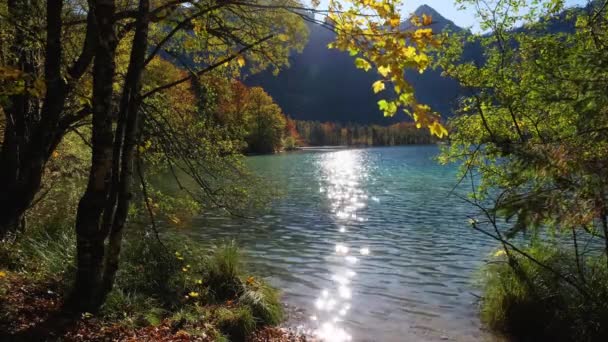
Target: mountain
[323,84]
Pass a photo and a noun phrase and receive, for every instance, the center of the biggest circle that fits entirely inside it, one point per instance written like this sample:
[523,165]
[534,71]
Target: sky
[446,8]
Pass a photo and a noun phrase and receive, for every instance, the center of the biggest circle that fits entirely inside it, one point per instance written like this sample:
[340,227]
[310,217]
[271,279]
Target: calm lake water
[368,243]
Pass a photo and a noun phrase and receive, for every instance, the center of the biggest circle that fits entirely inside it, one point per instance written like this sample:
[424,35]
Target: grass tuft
[531,303]
[237,323]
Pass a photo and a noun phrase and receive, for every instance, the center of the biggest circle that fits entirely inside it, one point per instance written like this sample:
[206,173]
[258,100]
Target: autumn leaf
[438,130]
[499,253]
[384,71]
[361,63]
[378,86]
[174,219]
[427,20]
[395,21]
[241,61]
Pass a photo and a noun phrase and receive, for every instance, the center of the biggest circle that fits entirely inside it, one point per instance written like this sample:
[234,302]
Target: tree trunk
[30,134]
[103,209]
[90,234]
[16,134]
[129,114]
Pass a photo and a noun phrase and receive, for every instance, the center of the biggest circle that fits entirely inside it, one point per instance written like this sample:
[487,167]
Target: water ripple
[368,242]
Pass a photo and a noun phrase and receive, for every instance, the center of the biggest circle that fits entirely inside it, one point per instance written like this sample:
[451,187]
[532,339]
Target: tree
[39,97]
[377,39]
[264,122]
[531,136]
[103,209]
[112,44]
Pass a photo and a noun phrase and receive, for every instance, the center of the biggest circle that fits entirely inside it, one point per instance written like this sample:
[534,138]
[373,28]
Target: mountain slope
[324,84]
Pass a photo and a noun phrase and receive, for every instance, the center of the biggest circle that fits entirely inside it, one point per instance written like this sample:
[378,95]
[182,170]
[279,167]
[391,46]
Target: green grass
[42,253]
[199,289]
[224,272]
[237,323]
[530,303]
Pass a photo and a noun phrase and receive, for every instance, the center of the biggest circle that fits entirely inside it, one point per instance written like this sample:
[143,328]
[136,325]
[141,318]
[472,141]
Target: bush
[531,303]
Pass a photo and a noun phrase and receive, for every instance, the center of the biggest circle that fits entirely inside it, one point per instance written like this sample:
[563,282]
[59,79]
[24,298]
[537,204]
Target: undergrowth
[529,302]
[193,288]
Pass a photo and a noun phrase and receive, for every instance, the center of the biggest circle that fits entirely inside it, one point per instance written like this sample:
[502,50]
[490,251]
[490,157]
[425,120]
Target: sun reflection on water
[343,174]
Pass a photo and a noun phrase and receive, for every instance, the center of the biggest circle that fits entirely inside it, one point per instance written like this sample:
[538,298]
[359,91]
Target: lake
[368,243]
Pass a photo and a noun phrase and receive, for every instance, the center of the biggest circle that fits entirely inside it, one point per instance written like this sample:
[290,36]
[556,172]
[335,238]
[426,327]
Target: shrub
[531,303]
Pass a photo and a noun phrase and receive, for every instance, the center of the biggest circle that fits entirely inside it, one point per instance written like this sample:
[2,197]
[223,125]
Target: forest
[124,123]
[314,133]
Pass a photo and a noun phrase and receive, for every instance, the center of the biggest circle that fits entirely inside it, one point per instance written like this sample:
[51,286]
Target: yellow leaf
[193,294]
[499,252]
[2,274]
[438,130]
[378,86]
[395,21]
[384,71]
[362,64]
[283,37]
[241,61]
[55,154]
[427,20]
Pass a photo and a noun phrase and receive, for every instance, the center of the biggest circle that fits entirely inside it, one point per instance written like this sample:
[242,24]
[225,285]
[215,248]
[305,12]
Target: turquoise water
[368,243]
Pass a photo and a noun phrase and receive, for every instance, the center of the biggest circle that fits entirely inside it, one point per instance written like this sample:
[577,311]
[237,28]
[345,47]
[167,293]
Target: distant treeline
[315,133]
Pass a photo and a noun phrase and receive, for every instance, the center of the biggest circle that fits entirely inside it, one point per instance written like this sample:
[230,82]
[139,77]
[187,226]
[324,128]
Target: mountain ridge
[313,87]
[324,84]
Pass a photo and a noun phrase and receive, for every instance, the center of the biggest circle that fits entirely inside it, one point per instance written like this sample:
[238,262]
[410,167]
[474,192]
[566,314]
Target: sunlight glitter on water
[343,173]
[415,253]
